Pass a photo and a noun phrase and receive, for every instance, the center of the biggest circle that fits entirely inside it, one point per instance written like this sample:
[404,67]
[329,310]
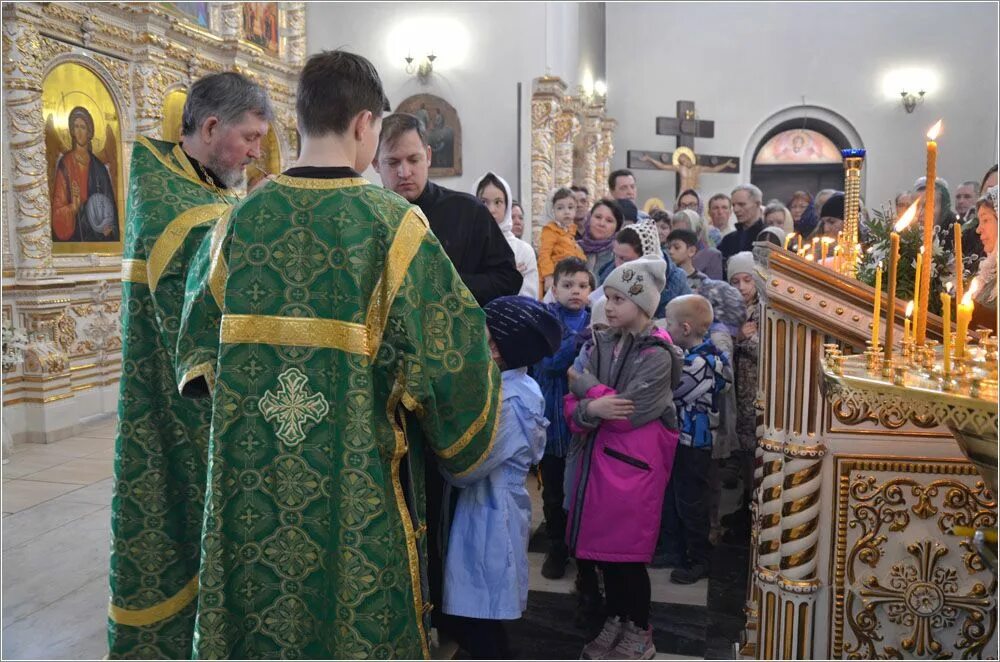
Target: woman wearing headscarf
[599,229]
[494,192]
[707,260]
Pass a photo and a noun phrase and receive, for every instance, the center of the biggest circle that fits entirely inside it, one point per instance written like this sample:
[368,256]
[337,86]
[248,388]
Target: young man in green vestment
[177,192]
[349,350]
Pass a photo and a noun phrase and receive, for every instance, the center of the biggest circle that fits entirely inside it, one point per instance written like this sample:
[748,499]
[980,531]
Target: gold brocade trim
[156,613]
[320,184]
[184,162]
[409,235]
[333,334]
[175,233]
[295,331]
[409,534]
[489,446]
[411,403]
[477,425]
[218,271]
[206,370]
[134,271]
[173,167]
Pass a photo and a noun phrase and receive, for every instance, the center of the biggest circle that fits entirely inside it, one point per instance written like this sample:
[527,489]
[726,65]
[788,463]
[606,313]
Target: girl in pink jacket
[623,402]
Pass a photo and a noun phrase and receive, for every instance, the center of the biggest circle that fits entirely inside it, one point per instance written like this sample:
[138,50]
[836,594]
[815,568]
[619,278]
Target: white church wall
[504,44]
[742,63]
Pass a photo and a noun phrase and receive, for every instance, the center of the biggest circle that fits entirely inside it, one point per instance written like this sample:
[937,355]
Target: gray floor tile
[55,564]
[98,493]
[72,628]
[27,525]
[22,494]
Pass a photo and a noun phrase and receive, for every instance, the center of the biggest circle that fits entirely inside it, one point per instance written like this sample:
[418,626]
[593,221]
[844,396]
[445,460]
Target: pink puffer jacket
[620,480]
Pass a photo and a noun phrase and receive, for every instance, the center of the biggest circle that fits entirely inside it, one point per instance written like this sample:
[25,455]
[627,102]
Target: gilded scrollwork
[855,407]
[913,604]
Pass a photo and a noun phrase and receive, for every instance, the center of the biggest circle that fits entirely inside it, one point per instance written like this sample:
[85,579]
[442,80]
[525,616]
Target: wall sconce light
[910,100]
[423,70]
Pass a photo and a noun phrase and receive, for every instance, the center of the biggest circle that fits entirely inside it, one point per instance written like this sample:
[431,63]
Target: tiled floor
[55,543]
[55,533]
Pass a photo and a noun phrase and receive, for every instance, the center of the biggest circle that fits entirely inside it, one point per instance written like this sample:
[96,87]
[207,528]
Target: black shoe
[667,561]
[689,575]
[554,566]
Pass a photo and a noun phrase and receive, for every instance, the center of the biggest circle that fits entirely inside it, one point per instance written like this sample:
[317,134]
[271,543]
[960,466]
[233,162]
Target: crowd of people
[381,368]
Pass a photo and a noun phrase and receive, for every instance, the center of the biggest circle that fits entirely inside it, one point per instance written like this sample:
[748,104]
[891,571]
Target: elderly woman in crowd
[777,215]
[708,260]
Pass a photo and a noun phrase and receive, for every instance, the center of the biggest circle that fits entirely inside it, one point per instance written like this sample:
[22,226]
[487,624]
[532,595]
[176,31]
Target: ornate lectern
[853,551]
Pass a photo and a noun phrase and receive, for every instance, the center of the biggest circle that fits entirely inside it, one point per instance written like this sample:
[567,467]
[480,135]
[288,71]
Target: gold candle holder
[873,358]
[899,375]
[983,336]
[853,160]
[929,355]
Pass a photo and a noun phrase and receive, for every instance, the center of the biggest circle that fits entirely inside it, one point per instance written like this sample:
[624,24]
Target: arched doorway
[799,154]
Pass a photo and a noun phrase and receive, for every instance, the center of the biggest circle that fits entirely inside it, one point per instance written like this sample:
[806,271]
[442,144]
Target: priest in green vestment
[177,193]
[349,349]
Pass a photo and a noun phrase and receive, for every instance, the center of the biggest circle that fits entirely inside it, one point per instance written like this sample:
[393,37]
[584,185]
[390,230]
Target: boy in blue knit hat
[486,563]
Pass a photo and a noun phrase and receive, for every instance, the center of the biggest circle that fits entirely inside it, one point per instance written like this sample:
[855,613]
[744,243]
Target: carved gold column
[546,100]
[590,139]
[605,153]
[567,126]
[24,66]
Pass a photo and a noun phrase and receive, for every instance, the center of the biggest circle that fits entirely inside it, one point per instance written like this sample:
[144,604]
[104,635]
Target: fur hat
[523,330]
[641,281]
[741,263]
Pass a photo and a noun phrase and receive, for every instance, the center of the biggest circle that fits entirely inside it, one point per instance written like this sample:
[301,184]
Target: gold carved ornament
[921,596]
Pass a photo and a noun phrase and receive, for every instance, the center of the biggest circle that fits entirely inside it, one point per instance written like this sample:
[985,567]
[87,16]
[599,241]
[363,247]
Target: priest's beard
[231,177]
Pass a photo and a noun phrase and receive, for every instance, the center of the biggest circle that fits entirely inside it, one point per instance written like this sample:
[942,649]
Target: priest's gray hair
[229,96]
[755,193]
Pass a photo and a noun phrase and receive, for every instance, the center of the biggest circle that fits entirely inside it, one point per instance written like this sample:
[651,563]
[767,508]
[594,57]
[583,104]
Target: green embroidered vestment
[349,346]
[160,452]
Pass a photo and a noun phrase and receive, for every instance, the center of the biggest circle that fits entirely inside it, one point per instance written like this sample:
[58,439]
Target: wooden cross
[686,127]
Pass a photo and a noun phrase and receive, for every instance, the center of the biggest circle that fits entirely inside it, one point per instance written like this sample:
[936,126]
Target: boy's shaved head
[694,309]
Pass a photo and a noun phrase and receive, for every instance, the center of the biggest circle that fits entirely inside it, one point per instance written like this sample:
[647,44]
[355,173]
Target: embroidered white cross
[292,407]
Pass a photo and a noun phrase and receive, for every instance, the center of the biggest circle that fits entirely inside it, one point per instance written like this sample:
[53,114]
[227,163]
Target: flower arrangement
[910,241]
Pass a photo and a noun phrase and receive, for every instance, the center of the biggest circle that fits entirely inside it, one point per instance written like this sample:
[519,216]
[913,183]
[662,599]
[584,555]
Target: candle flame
[909,309]
[811,257]
[973,289]
[828,240]
[949,286]
[935,131]
[907,217]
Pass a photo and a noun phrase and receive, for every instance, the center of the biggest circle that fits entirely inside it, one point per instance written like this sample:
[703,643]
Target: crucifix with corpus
[683,161]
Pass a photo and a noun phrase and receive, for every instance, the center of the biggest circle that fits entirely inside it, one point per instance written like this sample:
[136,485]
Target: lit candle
[925,273]
[916,294]
[788,240]
[838,257]
[946,314]
[890,320]
[959,270]
[877,315]
[906,322]
[964,316]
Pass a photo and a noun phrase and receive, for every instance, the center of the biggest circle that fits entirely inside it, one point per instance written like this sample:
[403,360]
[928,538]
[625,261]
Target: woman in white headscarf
[985,312]
[494,192]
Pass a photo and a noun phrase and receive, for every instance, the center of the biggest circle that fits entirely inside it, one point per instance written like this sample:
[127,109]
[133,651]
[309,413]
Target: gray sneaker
[635,644]
[604,643]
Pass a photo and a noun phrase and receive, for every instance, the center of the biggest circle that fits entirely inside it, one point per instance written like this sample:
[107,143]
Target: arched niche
[823,128]
[84,155]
